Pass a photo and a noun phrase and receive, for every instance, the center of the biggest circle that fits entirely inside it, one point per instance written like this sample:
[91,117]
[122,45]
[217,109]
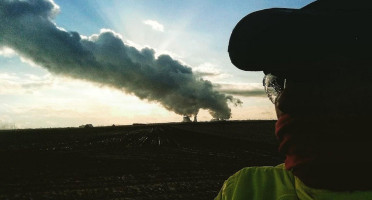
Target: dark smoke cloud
[27,27]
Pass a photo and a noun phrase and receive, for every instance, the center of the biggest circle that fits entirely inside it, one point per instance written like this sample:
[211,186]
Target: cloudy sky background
[195,33]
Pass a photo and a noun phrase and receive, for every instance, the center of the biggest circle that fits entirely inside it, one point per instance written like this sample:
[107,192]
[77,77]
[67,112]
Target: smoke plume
[27,27]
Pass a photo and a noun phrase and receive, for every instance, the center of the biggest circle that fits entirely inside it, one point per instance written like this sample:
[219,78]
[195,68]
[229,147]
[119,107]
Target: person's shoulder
[264,175]
[259,183]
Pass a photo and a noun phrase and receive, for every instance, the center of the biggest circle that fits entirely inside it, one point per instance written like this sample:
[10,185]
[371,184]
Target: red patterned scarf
[327,153]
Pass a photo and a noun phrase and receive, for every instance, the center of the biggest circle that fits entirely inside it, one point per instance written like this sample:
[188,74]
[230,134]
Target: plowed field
[153,161]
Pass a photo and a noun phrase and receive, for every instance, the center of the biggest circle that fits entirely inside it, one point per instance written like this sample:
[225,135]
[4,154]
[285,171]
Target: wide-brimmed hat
[324,35]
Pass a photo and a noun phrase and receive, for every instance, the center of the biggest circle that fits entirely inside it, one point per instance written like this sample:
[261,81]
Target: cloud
[246,93]
[209,72]
[204,74]
[14,84]
[245,90]
[7,52]
[27,28]
[154,25]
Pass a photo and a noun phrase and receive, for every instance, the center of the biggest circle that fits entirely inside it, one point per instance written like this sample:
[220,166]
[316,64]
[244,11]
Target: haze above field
[67,63]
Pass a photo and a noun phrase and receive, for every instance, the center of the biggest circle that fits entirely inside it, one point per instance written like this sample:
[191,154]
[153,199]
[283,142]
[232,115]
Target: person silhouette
[317,62]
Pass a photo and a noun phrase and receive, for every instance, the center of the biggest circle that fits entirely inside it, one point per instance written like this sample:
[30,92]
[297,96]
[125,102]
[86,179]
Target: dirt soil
[153,161]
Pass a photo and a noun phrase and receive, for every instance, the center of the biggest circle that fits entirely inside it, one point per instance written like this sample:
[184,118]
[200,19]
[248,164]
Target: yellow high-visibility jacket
[277,183]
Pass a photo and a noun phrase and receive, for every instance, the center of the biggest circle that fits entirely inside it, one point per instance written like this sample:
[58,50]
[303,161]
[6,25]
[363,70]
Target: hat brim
[297,39]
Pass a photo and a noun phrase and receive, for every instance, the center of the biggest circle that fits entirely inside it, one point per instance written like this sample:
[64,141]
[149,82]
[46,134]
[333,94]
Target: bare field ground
[153,161]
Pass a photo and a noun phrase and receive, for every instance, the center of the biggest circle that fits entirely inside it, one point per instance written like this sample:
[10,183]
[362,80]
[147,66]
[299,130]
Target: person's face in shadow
[308,98]
[327,96]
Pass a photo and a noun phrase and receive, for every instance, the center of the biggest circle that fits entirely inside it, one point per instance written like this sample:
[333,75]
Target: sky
[65,63]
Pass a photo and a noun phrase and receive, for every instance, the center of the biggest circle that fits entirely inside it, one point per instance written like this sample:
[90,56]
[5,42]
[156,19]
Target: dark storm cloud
[27,27]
